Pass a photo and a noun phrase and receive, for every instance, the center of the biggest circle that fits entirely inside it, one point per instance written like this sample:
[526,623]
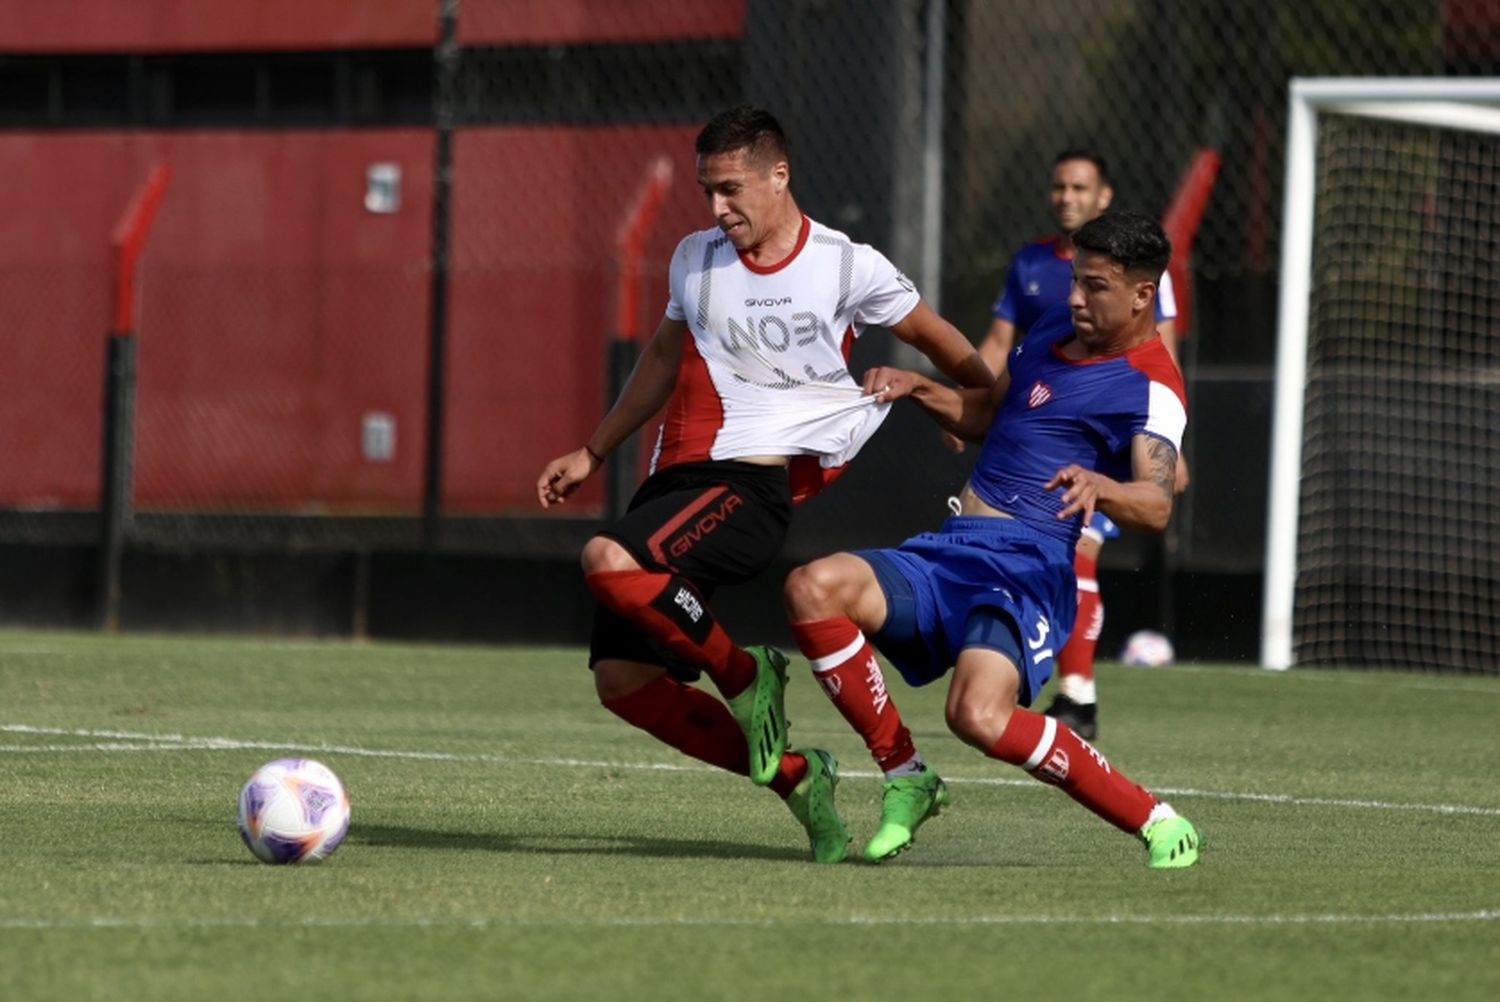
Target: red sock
[845,665]
[699,725]
[1077,657]
[1055,755]
[674,615]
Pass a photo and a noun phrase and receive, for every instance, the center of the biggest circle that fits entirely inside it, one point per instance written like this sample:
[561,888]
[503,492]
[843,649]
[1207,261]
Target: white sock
[1160,811]
[1078,689]
[913,766]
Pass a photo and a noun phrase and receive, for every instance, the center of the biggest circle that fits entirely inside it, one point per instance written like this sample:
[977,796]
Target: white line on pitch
[665,921]
[135,741]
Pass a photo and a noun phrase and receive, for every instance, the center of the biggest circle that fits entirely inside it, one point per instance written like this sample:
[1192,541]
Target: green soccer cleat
[1173,843]
[909,802]
[812,805]
[761,712]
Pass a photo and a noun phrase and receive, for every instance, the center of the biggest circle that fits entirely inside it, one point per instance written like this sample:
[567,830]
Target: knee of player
[977,721]
[602,553]
[615,680]
[811,591]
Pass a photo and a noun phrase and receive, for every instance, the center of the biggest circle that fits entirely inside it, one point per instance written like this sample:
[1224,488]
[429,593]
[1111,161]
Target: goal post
[1359,393]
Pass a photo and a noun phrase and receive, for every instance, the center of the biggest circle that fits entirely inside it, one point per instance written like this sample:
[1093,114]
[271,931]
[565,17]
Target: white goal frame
[1466,104]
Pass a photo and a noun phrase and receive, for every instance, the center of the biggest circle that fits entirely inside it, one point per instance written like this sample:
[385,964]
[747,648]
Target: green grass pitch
[512,840]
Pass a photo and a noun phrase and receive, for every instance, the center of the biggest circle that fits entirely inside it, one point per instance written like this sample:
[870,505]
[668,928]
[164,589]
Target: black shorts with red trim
[714,523]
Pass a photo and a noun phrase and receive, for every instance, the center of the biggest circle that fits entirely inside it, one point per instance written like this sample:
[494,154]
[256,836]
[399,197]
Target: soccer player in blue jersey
[1038,280]
[1086,417]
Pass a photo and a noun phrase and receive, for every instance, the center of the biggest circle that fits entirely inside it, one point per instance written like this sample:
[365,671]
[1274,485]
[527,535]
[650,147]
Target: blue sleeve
[1005,307]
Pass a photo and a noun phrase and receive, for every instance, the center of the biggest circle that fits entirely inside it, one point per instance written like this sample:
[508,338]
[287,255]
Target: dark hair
[1082,154]
[1132,238]
[744,128]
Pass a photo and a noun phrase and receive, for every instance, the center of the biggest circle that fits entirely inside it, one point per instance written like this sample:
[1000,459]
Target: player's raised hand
[1080,487]
[563,475]
[886,384]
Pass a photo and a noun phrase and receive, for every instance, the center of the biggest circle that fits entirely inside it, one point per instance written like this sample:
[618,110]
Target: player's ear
[781,176]
[1106,195]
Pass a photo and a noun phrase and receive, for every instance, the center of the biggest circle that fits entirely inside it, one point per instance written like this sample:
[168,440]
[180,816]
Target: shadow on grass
[583,843]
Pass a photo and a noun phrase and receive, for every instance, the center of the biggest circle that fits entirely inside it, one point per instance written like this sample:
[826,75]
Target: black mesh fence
[344,218]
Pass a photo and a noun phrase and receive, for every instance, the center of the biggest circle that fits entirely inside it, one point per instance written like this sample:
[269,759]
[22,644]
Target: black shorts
[712,523]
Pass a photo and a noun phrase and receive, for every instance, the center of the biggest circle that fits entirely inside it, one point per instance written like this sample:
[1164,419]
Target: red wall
[520,22]
[33,26]
[275,313]
[36,26]
[54,275]
[534,217]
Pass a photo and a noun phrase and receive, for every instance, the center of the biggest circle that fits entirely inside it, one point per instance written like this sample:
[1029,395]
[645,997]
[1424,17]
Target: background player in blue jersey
[1041,273]
[1038,280]
[1087,417]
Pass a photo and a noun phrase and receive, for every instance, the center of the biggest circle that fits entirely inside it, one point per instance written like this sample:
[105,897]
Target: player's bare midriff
[970,503]
[764,460]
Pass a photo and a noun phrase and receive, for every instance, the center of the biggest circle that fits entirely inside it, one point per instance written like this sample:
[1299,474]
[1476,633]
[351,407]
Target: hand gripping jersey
[1058,411]
[1040,277]
[765,371]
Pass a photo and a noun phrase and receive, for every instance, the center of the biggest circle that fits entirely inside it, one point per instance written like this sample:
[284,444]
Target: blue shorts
[977,582]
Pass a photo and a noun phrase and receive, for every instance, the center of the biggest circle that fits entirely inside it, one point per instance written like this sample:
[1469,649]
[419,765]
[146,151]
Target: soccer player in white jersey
[750,363]
[1087,416]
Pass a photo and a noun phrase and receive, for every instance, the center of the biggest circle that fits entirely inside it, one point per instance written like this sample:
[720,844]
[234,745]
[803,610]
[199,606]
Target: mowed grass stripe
[677,921]
[180,742]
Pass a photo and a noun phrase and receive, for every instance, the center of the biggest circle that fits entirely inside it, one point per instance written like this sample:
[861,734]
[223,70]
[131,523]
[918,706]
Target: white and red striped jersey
[765,371]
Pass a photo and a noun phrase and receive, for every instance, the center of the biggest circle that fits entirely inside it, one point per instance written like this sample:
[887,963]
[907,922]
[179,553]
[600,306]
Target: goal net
[1383,539]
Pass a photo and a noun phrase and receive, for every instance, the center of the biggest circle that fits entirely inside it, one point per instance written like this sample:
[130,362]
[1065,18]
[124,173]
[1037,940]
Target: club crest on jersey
[1040,394]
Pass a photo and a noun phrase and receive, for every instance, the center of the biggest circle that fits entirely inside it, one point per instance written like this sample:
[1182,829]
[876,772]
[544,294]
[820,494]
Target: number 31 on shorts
[1039,651]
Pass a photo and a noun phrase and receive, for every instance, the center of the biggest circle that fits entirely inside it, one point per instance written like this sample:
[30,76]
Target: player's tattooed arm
[1144,503]
[1161,464]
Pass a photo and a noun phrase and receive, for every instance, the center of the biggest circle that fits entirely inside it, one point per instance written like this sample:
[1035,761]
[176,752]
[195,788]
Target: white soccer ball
[293,810]
[1147,649]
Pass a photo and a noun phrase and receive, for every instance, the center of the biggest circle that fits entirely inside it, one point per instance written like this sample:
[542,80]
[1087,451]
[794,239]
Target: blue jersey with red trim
[1041,276]
[1058,411]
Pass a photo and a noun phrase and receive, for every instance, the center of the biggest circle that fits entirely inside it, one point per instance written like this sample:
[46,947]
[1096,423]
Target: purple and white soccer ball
[293,810]
[1147,649]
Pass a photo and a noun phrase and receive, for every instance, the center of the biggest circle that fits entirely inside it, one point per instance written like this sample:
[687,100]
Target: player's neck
[1131,336]
[1134,335]
[780,243]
